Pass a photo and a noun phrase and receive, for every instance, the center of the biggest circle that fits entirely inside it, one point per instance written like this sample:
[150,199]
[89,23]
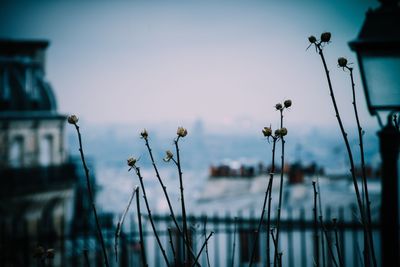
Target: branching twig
[120,222]
[172,247]
[316,235]
[328,243]
[205,239]
[202,247]
[337,242]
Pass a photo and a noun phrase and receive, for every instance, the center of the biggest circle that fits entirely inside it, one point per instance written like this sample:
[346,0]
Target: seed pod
[181,132]
[73,119]
[282,131]
[326,37]
[131,162]
[342,62]
[312,39]
[144,134]
[267,131]
[278,106]
[168,156]
[287,103]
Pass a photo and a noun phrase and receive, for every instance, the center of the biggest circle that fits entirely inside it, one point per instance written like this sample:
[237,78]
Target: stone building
[42,192]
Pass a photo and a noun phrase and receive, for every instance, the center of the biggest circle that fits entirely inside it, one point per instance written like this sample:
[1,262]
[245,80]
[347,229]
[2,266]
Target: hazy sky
[225,62]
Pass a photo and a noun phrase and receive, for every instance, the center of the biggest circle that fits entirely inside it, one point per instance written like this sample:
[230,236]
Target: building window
[17,152]
[46,150]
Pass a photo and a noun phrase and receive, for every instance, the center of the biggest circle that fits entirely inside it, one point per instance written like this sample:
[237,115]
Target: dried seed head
[73,119]
[131,161]
[278,106]
[267,131]
[168,155]
[287,103]
[326,37]
[282,131]
[342,62]
[312,39]
[277,133]
[144,134]
[181,132]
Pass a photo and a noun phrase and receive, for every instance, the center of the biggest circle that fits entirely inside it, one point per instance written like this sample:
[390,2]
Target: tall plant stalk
[205,239]
[278,220]
[201,250]
[364,176]
[340,258]
[316,235]
[172,247]
[164,188]
[73,120]
[267,193]
[137,169]
[319,47]
[178,164]
[139,216]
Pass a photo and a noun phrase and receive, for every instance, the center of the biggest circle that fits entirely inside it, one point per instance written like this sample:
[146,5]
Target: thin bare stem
[269,188]
[320,217]
[346,141]
[234,243]
[178,164]
[328,242]
[172,247]
[201,250]
[364,176]
[91,198]
[205,238]
[337,242]
[278,220]
[164,188]
[139,215]
[120,223]
[137,169]
[316,235]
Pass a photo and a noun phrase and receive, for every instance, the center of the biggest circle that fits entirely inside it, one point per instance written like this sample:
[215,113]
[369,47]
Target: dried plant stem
[337,243]
[234,243]
[139,215]
[328,242]
[364,176]
[278,220]
[201,250]
[172,247]
[171,210]
[316,235]
[320,217]
[178,164]
[119,225]
[267,193]
[89,188]
[346,141]
[137,169]
[205,238]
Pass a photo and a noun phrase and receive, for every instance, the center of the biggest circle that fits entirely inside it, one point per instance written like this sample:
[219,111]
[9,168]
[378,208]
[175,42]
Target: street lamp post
[378,54]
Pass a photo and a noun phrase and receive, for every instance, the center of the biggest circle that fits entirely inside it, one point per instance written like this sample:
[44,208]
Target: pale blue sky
[225,62]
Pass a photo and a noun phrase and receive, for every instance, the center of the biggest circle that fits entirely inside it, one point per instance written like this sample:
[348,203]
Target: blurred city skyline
[225,63]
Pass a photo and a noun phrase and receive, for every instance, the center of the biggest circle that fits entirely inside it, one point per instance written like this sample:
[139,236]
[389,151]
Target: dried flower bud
[168,156]
[38,252]
[131,161]
[287,103]
[144,134]
[278,106]
[282,131]
[50,253]
[267,131]
[326,37]
[73,119]
[277,133]
[312,39]
[181,132]
[342,62]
